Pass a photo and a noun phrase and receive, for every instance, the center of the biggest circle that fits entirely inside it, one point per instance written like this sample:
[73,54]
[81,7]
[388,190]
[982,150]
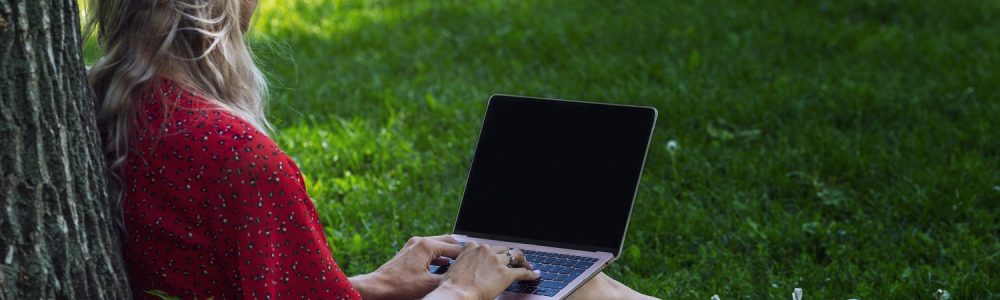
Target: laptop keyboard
[557,271]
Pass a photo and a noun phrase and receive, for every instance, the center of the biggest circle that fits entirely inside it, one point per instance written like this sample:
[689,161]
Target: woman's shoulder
[165,104]
[179,123]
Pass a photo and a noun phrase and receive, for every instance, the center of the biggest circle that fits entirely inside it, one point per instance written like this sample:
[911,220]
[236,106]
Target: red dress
[213,208]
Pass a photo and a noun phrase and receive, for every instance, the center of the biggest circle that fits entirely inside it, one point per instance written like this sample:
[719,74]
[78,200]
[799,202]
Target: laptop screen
[556,173]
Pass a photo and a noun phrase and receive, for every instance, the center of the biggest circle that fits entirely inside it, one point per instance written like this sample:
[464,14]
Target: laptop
[556,179]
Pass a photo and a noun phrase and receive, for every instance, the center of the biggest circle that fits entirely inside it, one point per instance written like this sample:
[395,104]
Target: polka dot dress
[214,209]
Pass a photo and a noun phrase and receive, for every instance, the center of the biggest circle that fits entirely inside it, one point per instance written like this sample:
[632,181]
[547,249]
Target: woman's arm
[372,286]
[406,276]
[449,290]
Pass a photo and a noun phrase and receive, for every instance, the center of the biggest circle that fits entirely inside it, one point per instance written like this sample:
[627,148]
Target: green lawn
[850,148]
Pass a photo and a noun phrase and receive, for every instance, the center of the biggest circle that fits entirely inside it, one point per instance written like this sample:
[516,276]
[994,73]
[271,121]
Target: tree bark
[57,238]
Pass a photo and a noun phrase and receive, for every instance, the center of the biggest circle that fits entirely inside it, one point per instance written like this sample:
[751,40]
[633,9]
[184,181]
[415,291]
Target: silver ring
[511,256]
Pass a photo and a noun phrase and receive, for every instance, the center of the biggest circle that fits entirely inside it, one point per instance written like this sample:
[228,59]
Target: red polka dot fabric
[213,208]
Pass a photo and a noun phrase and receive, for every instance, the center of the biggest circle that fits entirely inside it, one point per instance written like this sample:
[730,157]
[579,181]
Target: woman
[211,207]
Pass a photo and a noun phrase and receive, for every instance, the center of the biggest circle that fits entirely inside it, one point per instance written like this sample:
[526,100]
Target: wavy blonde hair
[196,43]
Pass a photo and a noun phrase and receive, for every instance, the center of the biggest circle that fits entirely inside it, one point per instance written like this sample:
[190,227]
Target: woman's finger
[439,248]
[514,258]
[499,249]
[519,274]
[520,260]
[473,247]
[471,244]
[444,238]
[441,261]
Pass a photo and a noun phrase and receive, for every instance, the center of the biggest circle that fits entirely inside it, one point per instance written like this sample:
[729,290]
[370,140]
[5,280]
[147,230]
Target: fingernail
[537,272]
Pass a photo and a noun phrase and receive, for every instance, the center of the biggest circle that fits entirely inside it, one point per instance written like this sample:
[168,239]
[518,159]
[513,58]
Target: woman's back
[212,207]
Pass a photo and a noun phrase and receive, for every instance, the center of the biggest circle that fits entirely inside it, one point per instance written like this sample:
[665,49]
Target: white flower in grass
[672,150]
[714,297]
[797,294]
[942,294]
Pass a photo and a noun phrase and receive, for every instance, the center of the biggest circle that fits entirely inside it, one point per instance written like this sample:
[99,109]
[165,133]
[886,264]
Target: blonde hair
[197,43]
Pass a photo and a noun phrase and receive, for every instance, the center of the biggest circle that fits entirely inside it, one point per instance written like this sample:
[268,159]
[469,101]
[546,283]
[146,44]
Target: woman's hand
[482,272]
[407,275]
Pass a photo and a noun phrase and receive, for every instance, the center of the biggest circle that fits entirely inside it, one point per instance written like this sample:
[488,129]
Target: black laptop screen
[557,173]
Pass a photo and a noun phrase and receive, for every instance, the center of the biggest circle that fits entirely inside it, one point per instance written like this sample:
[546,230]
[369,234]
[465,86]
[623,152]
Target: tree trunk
[57,238]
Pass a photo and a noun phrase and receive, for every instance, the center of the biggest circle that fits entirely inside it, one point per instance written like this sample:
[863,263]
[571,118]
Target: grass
[846,147]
